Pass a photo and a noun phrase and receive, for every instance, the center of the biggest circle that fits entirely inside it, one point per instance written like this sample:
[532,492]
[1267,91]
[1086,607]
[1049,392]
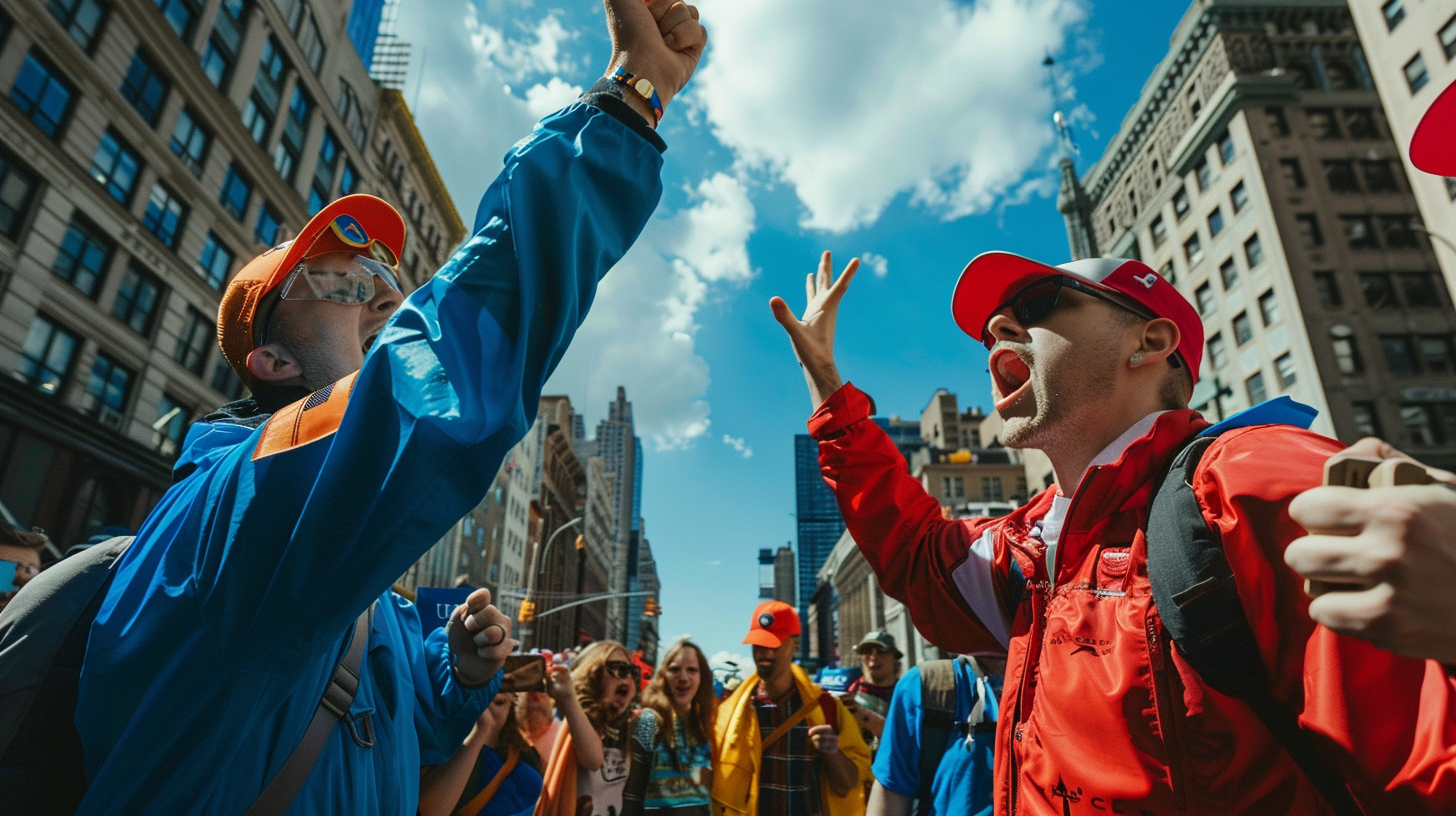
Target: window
[1322,123]
[190,142]
[1310,234]
[1204,174]
[82,258]
[322,187]
[1447,36]
[1378,290]
[1204,296]
[221,53]
[1436,354]
[164,215]
[225,381]
[1400,357]
[1228,272]
[144,87]
[236,190]
[1180,203]
[295,129]
[114,166]
[351,112]
[42,94]
[1420,425]
[170,425]
[1243,329]
[1394,11]
[348,179]
[306,32]
[180,14]
[1379,178]
[1284,368]
[991,489]
[267,92]
[80,18]
[17,188]
[1159,231]
[1217,351]
[214,262]
[1340,176]
[1360,123]
[1398,233]
[1215,222]
[1255,388]
[1416,76]
[1166,271]
[137,299]
[1193,249]
[266,230]
[1277,124]
[1268,308]
[46,357]
[107,388]
[1239,197]
[198,334]
[1367,422]
[1327,289]
[953,487]
[1293,175]
[1422,290]
[1226,148]
[1253,251]
[1347,354]
[1360,231]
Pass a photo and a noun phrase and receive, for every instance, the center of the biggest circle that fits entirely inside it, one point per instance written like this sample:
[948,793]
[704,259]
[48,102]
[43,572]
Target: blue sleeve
[300,542]
[444,710]
[897,762]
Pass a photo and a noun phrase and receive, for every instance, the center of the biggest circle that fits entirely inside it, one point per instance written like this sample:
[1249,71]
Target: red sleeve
[901,532]
[1389,721]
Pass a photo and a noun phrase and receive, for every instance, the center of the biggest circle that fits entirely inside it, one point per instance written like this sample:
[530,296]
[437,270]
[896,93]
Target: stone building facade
[148,148]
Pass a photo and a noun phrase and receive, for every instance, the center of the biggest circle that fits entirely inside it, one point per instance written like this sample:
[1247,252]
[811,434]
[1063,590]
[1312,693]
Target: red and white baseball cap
[992,279]
[773,623]
[1433,147]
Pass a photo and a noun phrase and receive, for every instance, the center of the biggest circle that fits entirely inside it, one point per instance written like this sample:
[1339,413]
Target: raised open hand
[660,40]
[812,335]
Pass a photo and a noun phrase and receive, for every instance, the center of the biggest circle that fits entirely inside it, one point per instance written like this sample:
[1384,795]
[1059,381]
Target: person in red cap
[783,746]
[1391,548]
[1093,362]
[376,422]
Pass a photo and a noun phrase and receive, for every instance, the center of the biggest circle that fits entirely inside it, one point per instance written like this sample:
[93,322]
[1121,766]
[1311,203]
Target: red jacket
[1099,714]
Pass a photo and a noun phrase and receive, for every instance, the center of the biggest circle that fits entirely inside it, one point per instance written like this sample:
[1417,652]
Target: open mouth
[1010,376]
[369,342]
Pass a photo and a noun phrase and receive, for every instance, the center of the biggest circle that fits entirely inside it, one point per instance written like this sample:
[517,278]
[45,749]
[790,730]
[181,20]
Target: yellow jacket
[735,780]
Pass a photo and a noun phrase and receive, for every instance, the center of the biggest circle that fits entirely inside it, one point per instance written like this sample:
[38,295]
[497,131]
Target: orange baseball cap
[1433,147]
[773,623]
[361,224]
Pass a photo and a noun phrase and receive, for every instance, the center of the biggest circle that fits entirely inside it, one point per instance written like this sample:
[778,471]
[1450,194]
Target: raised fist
[659,40]
[480,638]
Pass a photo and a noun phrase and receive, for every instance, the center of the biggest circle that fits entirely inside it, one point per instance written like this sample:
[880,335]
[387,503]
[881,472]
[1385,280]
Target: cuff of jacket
[606,95]
[844,407]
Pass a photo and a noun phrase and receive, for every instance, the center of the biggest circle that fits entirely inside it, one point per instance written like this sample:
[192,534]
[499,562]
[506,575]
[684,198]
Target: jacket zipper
[1167,717]
[1038,618]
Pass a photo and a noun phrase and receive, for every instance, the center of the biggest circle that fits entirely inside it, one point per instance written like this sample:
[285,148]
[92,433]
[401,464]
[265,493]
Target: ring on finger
[483,639]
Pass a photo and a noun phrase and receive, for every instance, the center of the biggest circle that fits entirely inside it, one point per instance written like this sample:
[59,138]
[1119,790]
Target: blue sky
[922,139]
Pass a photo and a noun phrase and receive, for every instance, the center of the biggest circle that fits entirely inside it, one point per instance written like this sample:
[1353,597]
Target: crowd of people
[1188,620]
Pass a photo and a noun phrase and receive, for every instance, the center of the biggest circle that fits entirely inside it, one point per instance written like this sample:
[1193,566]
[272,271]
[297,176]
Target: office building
[765,574]
[785,587]
[362,27]
[818,520]
[1259,173]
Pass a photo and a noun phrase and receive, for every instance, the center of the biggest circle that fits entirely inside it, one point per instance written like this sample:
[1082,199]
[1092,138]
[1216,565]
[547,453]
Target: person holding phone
[589,763]
[672,742]
[495,772]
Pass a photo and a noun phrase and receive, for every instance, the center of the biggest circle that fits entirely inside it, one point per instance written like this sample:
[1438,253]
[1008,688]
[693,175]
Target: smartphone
[524,672]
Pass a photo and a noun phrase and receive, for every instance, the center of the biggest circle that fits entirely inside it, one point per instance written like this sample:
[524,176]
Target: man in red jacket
[1093,363]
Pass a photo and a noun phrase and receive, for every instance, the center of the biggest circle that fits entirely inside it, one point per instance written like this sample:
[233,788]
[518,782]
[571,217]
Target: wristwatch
[643,86]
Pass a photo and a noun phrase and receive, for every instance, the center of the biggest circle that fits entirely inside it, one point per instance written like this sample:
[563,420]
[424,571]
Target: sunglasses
[623,670]
[1033,303]
[351,285]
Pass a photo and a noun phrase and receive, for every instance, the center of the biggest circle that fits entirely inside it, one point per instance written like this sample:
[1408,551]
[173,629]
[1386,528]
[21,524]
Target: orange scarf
[558,788]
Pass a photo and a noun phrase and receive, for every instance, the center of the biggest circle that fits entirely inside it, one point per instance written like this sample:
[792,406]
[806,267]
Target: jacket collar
[1109,487]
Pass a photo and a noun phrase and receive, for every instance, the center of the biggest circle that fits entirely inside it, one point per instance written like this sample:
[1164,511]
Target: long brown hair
[511,736]
[586,677]
[702,710]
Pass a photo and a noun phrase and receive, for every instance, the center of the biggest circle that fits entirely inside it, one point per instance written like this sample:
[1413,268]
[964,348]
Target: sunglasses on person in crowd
[623,670]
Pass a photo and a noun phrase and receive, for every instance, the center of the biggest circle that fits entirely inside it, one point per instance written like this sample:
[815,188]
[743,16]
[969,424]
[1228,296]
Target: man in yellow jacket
[784,748]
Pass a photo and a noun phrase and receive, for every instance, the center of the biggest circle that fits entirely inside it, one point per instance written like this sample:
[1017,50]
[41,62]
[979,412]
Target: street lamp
[1421,228]
[539,564]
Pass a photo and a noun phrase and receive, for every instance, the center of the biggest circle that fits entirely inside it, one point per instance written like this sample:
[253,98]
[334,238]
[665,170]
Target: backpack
[43,633]
[938,686]
[1197,598]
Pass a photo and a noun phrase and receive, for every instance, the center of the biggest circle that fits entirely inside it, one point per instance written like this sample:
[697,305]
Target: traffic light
[527,612]
[650,608]
[580,543]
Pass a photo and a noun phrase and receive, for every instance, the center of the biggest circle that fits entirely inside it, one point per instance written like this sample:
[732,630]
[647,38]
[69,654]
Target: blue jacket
[214,644]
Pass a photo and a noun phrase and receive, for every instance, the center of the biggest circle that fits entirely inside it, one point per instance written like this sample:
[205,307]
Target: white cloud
[737,443]
[853,105]
[878,264]
[641,330]
[519,58]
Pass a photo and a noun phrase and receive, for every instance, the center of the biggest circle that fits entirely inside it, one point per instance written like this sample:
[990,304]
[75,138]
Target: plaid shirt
[788,781]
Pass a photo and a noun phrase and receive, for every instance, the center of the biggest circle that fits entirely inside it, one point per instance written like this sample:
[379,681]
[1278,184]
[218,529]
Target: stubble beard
[1062,385]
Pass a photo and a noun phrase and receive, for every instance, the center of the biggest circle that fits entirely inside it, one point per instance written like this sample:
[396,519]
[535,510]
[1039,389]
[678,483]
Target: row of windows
[1425,423]
[1326,124]
[1416,75]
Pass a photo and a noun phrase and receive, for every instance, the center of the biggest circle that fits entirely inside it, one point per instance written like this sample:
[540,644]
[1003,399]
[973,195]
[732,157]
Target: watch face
[644,87]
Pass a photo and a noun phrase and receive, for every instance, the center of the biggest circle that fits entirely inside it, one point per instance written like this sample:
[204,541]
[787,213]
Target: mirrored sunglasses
[352,284]
[622,670]
[348,230]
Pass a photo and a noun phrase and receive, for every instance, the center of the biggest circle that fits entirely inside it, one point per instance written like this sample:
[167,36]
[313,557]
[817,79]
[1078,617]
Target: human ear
[1159,341]
[273,364]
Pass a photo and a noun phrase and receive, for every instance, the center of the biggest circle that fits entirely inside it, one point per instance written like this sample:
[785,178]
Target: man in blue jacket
[376,423]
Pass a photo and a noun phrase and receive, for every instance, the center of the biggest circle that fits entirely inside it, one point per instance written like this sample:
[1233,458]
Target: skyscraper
[619,447]
[819,522]
[363,27]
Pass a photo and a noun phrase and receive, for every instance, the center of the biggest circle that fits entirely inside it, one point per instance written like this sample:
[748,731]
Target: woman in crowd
[495,772]
[589,763]
[672,749]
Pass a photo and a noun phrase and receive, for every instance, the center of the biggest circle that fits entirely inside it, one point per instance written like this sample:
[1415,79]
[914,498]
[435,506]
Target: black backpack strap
[333,707]
[1197,599]
[937,723]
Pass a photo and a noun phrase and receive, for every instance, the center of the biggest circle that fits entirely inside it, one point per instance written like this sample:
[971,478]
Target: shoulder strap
[315,417]
[793,720]
[480,800]
[937,721]
[332,707]
[1197,599]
